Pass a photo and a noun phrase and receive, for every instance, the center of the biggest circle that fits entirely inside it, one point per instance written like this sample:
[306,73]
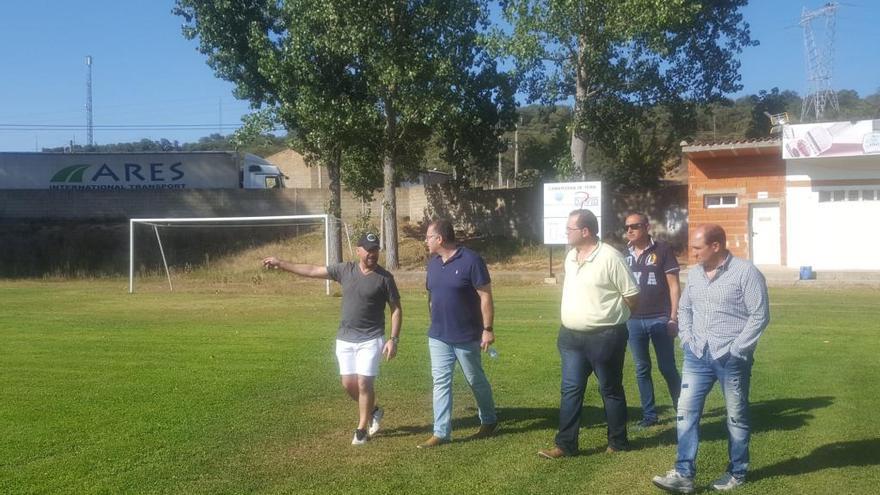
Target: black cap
[369,241]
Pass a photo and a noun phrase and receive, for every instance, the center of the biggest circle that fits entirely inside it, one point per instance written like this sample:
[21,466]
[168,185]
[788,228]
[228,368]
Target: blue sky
[145,73]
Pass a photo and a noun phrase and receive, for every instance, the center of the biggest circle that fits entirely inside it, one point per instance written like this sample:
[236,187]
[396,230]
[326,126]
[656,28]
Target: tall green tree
[618,61]
[428,75]
[281,59]
[363,84]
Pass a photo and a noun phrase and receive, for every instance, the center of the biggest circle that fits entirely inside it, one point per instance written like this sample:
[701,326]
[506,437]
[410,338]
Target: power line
[127,127]
[187,105]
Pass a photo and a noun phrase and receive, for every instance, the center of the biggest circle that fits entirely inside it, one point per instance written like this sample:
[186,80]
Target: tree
[281,58]
[620,61]
[543,142]
[425,73]
[772,102]
[360,82]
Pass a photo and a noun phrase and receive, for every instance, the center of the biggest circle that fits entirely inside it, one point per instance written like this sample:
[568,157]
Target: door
[765,235]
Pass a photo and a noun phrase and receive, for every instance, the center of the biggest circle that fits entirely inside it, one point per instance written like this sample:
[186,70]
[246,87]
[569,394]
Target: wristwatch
[395,339]
[488,329]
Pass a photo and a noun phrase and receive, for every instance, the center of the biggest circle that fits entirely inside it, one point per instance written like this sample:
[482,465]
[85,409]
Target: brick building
[804,200]
[740,186]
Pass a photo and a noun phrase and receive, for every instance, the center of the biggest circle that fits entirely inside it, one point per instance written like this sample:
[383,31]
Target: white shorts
[359,358]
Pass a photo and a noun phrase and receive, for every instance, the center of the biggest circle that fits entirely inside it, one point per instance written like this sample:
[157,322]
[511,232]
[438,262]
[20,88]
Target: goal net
[188,241]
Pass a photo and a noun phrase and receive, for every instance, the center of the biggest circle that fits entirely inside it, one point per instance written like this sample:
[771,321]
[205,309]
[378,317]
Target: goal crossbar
[156,222]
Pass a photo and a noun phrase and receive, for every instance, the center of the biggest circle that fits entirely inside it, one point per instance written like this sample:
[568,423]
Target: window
[829,196]
[719,201]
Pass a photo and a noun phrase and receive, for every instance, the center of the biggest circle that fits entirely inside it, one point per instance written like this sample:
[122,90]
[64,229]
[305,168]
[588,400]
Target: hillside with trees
[544,132]
[262,145]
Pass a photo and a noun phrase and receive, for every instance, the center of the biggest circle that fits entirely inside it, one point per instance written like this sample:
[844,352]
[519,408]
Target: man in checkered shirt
[723,311]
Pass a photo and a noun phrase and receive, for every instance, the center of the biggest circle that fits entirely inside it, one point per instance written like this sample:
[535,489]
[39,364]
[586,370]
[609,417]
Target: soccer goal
[159,224]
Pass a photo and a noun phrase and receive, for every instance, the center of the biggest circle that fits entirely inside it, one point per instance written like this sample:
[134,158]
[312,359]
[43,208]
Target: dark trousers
[601,352]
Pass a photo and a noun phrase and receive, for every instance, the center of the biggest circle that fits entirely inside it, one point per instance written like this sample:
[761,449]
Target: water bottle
[493,354]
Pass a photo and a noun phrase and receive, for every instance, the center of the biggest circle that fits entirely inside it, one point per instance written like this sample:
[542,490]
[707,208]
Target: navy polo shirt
[649,270]
[456,317]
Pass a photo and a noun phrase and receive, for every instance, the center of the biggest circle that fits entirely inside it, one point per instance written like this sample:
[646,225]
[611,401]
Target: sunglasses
[633,226]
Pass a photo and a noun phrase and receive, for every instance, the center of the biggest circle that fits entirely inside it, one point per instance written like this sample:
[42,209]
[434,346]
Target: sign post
[560,199]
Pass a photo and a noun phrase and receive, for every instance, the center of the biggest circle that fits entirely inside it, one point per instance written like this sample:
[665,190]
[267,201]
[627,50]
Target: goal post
[251,221]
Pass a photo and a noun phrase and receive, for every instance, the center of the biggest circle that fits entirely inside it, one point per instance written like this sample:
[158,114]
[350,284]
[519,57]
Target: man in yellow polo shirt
[598,293]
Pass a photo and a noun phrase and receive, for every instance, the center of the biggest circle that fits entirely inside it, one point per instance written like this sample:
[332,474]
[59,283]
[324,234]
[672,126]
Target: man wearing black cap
[360,341]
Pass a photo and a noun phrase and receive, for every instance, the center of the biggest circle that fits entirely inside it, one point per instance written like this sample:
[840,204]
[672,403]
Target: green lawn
[234,390]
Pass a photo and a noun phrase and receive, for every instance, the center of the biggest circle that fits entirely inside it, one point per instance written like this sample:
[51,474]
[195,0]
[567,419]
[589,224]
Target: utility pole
[500,178]
[90,130]
[516,152]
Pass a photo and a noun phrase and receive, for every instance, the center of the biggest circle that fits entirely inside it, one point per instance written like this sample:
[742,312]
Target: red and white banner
[828,139]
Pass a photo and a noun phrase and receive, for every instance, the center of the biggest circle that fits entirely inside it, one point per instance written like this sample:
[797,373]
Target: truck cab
[257,173]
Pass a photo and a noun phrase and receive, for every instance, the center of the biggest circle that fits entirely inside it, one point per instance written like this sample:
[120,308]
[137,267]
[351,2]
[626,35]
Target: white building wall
[823,232]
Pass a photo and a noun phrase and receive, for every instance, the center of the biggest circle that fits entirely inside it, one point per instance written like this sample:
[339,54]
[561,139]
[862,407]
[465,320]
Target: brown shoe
[487,430]
[612,450]
[554,453]
[432,442]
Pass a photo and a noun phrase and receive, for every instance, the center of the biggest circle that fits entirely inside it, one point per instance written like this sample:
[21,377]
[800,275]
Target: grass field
[235,391]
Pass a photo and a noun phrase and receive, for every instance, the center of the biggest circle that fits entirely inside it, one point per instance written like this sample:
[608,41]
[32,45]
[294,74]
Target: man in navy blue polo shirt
[460,299]
[655,318]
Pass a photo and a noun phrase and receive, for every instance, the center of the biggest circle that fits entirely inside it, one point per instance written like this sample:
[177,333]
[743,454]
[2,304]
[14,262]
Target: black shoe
[645,424]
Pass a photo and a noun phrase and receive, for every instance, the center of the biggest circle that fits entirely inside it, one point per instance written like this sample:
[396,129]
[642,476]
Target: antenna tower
[90,129]
[820,61]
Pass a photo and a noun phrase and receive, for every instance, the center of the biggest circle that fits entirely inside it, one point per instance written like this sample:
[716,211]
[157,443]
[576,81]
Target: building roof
[744,147]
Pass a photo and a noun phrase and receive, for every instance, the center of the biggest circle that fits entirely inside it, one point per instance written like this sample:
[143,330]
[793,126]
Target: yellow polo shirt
[593,291]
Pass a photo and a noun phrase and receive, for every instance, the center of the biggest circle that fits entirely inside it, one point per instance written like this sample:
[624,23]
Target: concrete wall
[515,212]
[518,213]
[503,212]
[85,232]
[116,205]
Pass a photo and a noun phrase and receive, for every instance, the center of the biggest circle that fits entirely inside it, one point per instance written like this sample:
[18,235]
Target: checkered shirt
[728,313]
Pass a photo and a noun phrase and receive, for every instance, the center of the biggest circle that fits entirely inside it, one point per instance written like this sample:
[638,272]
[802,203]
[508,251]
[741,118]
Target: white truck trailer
[148,170]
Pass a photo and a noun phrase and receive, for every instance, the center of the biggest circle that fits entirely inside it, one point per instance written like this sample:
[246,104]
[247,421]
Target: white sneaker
[378,413]
[360,437]
[727,482]
[674,482]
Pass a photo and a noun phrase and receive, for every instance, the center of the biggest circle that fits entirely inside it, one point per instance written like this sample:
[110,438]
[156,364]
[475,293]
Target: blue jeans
[443,358]
[643,331]
[601,352]
[698,378]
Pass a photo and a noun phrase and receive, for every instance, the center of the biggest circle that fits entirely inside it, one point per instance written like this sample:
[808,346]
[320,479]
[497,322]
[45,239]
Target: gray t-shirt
[363,300]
